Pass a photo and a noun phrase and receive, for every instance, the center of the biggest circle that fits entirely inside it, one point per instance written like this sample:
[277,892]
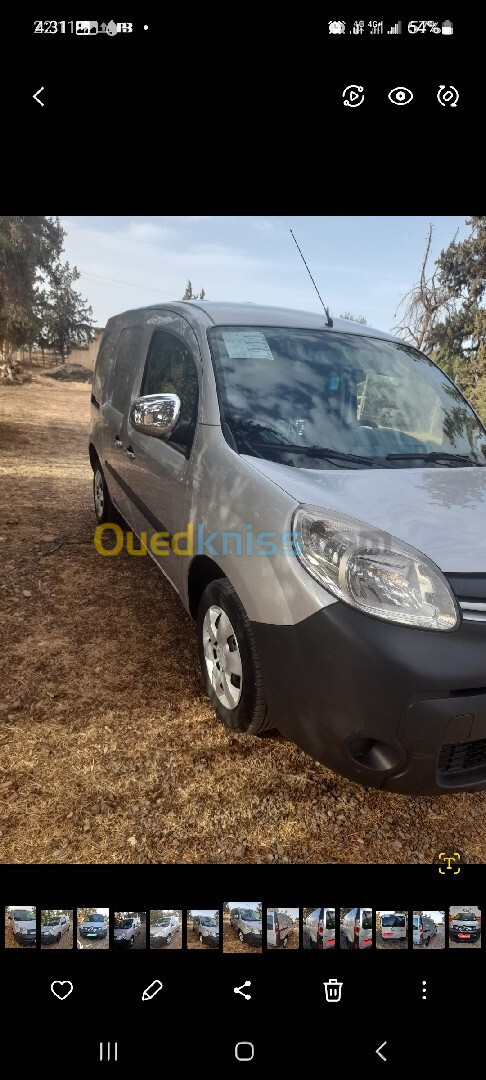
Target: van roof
[205,313]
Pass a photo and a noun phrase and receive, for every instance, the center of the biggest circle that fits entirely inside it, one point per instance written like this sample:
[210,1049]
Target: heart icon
[62,990]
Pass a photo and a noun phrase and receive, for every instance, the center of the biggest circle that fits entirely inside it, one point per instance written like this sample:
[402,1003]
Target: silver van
[248,925]
[249,448]
[357,929]
[279,927]
[393,926]
[424,929]
[320,929]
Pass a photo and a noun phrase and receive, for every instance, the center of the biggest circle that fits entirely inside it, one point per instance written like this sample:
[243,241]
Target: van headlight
[373,571]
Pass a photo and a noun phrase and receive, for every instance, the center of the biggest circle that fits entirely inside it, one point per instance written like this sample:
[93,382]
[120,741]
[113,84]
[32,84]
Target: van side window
[170,369]
[126,359]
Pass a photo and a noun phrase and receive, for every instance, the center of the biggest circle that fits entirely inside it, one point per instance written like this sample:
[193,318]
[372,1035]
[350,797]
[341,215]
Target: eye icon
[401,95]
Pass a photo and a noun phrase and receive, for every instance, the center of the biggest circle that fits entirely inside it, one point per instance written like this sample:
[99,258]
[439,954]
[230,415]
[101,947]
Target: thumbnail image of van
[56,930]
[464,928]
[20,927]
[428,931]
[356,928]
[203,928]
[282,928]
[242,927]
[391,929]
[166,928]
[93,928]
[129,929]
[319,928]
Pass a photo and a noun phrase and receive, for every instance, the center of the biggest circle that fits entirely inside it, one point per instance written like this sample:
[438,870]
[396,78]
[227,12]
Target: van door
[365,923]
[115,409]
[158,470]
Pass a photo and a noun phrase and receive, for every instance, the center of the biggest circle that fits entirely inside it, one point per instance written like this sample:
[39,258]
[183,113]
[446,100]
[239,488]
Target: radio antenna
[326,309]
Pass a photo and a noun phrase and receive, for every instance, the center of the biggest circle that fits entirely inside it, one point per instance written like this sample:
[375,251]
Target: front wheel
[104,509]
[241,936]
[169,939]
[229,660]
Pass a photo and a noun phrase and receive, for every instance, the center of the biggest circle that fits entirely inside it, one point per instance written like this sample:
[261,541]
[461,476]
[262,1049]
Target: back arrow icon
[382,1056]
[37,98]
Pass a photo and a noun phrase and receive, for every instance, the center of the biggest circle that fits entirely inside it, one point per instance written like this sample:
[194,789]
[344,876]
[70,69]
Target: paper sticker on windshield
[246,345]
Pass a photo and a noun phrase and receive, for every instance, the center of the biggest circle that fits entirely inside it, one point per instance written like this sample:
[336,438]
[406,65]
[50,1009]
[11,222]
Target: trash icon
[333,990]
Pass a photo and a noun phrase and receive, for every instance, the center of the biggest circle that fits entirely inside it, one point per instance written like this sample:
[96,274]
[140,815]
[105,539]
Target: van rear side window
[126,360]
[366,922]
[330,920]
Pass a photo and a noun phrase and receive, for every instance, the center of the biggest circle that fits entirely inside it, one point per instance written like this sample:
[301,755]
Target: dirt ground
[110,750]
[231,941]
[66,941]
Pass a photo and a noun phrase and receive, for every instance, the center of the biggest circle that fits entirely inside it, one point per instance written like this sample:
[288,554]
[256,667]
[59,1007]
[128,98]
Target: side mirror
[156,414]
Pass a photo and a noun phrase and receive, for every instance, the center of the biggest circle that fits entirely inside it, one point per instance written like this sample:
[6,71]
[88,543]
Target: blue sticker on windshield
[333,382]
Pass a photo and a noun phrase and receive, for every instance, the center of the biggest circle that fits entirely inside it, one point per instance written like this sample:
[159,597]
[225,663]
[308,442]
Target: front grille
[473,612]
[461,757]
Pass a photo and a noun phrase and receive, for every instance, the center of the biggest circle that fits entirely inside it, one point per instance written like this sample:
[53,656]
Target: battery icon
[86,28]
[447,27]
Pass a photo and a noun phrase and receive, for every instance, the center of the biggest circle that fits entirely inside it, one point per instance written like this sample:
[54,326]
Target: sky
[363,265]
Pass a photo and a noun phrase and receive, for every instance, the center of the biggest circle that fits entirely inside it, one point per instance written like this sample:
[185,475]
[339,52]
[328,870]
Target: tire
[132,942]
[239,701]
[58,939]
[168,939]
[103,506]
[201,942]
[241,936]
[427,942]
[285,943]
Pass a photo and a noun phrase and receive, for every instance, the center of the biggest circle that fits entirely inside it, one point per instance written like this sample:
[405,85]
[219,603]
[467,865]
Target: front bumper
[22,939]
[385,705]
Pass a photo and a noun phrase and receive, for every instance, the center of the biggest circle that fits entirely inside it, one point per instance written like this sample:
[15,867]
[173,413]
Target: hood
[439,511]
[120,933]
[465,922]
[94,925]
[253,927]
[25,924]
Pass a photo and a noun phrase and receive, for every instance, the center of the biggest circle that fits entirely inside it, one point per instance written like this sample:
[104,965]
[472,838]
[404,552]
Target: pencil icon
[151,990]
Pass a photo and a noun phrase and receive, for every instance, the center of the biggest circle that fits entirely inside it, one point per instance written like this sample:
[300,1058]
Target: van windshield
[465,916]
[249,916]
[290,395]
[393,920]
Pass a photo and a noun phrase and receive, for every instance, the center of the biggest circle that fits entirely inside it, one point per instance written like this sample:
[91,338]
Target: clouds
[360,264]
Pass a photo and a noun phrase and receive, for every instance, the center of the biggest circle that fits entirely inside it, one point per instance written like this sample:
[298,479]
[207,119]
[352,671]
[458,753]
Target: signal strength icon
[397,29]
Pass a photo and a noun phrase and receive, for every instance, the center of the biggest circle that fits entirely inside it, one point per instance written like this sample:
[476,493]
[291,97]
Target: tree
[29,247]
[38,304]
[190,295]
[65,319]
[354,318]
[460,339]
[445,314]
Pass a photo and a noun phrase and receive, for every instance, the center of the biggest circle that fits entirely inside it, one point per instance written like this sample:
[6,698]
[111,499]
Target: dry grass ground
[110,752]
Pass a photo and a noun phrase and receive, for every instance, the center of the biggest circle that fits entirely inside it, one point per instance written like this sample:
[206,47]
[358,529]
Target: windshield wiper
[436,455]
[314,451]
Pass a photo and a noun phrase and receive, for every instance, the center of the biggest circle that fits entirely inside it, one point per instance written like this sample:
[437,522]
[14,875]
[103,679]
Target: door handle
[129,453]
[118,442]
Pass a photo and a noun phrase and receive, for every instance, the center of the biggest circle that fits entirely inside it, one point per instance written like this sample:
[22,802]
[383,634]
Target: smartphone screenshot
[242,558]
